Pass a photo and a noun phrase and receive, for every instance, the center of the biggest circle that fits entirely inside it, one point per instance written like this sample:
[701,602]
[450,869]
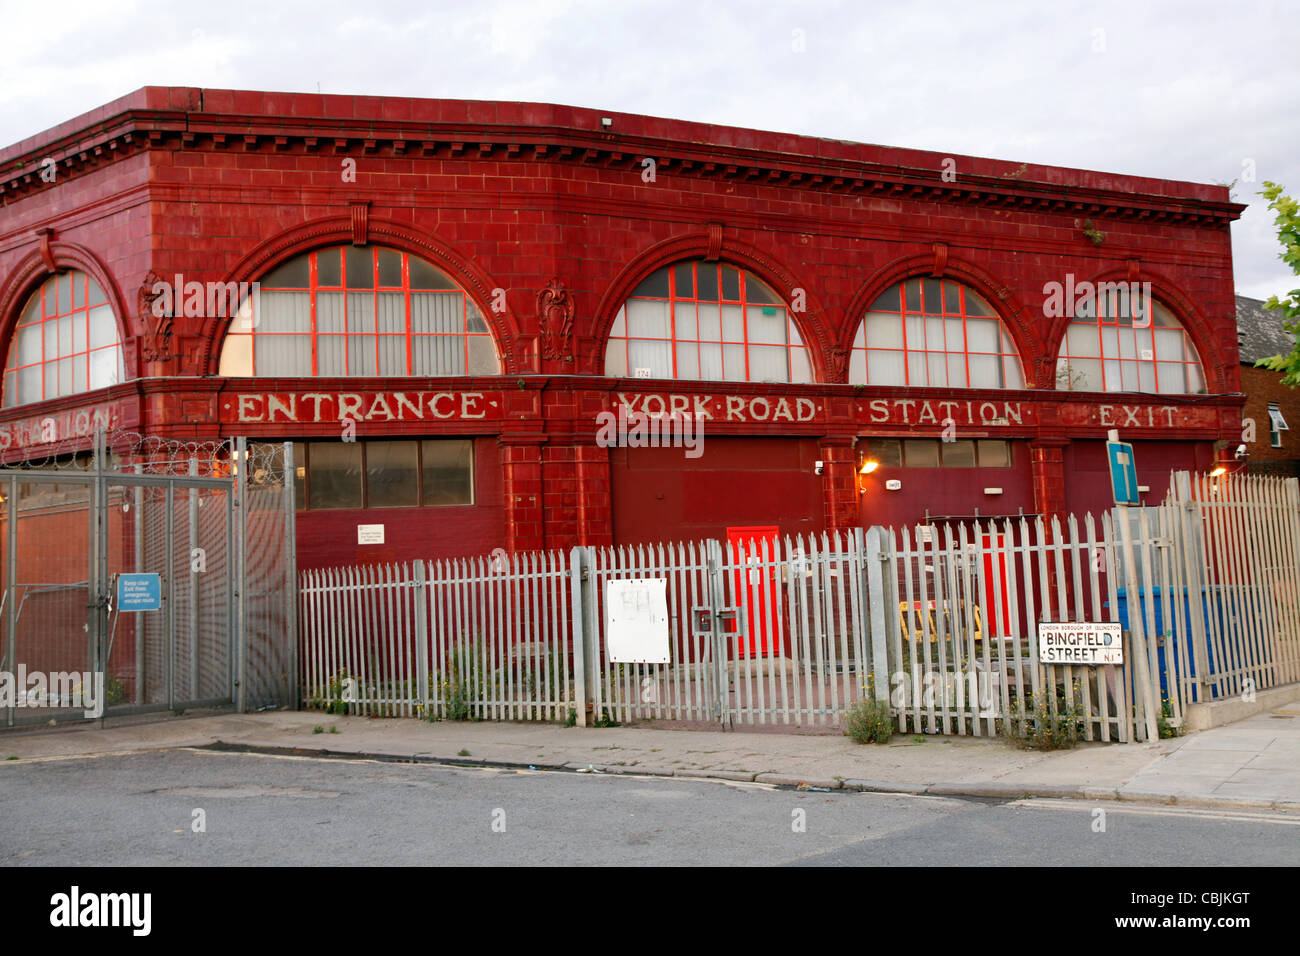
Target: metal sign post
[1123,478]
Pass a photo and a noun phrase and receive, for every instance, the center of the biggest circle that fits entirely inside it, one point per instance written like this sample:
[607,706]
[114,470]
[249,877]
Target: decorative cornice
[179,130]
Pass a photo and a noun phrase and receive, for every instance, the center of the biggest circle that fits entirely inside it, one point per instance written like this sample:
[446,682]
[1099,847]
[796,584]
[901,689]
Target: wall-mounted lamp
[1220,470]
[867,468]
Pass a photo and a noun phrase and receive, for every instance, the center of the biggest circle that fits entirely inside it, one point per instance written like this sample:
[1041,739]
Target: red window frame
[314,288]
[924,312]
[677,299]
[51,310]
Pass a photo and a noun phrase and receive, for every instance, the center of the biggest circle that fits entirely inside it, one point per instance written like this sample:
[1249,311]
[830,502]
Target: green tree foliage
[1288,233]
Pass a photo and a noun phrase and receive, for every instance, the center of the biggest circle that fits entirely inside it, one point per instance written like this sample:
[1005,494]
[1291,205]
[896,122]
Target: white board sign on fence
[636,621]
[1079,643]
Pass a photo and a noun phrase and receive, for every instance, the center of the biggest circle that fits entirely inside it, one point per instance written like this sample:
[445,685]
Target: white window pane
[51,379]
[684,320]
[437,312]
[288,355]
[1012,373]
[733,325]
[858,367]
[616,358]
[1173,380]
[1169,344]
[361,312]
[884,368]
[982,335]
[884,331]
[78,333]
[710,362]
[285,312]
[438,354]
[733,358]
[392,355]
[1082,341]
[914,326]
[1109,342]
[933,336]
[236,356]
[483,356]
[937,365]
[392,313]
[710,323]
[647,318]
[65,376]
[620,326]
[916,369]
[329,313]
[800,365]
[29,384]
[767,325]
[688,360]
[27,345]
[654,355]
[792,332]
[859,337]
[79,370]
[1128,348]
[984,365]
[1146,376]
[104,365]
[768,363]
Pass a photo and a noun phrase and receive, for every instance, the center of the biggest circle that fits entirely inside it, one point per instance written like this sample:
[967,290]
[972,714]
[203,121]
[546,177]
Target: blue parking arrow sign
[1123,472]
[139,592]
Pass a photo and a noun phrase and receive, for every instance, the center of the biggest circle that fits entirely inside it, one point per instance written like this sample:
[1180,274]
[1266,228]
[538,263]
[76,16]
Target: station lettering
[271,407]
[728,408]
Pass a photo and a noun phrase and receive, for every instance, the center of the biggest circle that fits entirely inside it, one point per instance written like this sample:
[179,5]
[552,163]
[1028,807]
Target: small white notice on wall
[636,621]
[370,534]
[1083,643]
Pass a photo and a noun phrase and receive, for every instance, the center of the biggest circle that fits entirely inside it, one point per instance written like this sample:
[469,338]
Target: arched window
[359,310]
[66,342]
[934,332]
[1107,350]
[706,321]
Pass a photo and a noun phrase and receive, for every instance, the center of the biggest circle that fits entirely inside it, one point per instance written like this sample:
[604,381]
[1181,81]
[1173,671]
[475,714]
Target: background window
[359,310]
[1105,351]
[933,332]
[933,453]
[384,474]
[65,342]
[706,321]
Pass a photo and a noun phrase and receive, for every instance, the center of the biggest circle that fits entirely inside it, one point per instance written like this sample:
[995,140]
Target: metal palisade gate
[175,519]
[938,622]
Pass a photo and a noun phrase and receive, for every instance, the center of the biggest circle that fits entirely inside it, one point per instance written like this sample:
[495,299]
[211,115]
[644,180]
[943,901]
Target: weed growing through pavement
[869,721]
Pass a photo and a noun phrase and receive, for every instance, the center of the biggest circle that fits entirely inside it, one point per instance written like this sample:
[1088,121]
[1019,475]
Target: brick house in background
[1274,407]
[472,283]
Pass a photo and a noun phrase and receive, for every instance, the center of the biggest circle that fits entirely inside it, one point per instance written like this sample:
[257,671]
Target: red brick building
[463,287]
[1271,407]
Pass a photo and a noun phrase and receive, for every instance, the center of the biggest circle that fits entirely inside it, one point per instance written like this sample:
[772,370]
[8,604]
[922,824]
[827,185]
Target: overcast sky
[1199,91]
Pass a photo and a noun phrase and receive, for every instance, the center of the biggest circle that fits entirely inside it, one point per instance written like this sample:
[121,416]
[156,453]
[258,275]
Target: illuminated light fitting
[868,467]
[1220,470]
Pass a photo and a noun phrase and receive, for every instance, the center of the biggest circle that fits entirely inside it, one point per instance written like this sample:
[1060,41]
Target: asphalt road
[134,809]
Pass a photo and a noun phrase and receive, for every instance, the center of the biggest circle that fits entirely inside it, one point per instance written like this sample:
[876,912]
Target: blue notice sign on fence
[139,592]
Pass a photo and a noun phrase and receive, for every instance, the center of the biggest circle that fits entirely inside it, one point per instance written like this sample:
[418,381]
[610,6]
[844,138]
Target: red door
[754,585]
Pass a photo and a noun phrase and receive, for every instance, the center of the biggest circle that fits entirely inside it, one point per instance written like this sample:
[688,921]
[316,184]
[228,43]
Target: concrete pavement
[1252,763]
